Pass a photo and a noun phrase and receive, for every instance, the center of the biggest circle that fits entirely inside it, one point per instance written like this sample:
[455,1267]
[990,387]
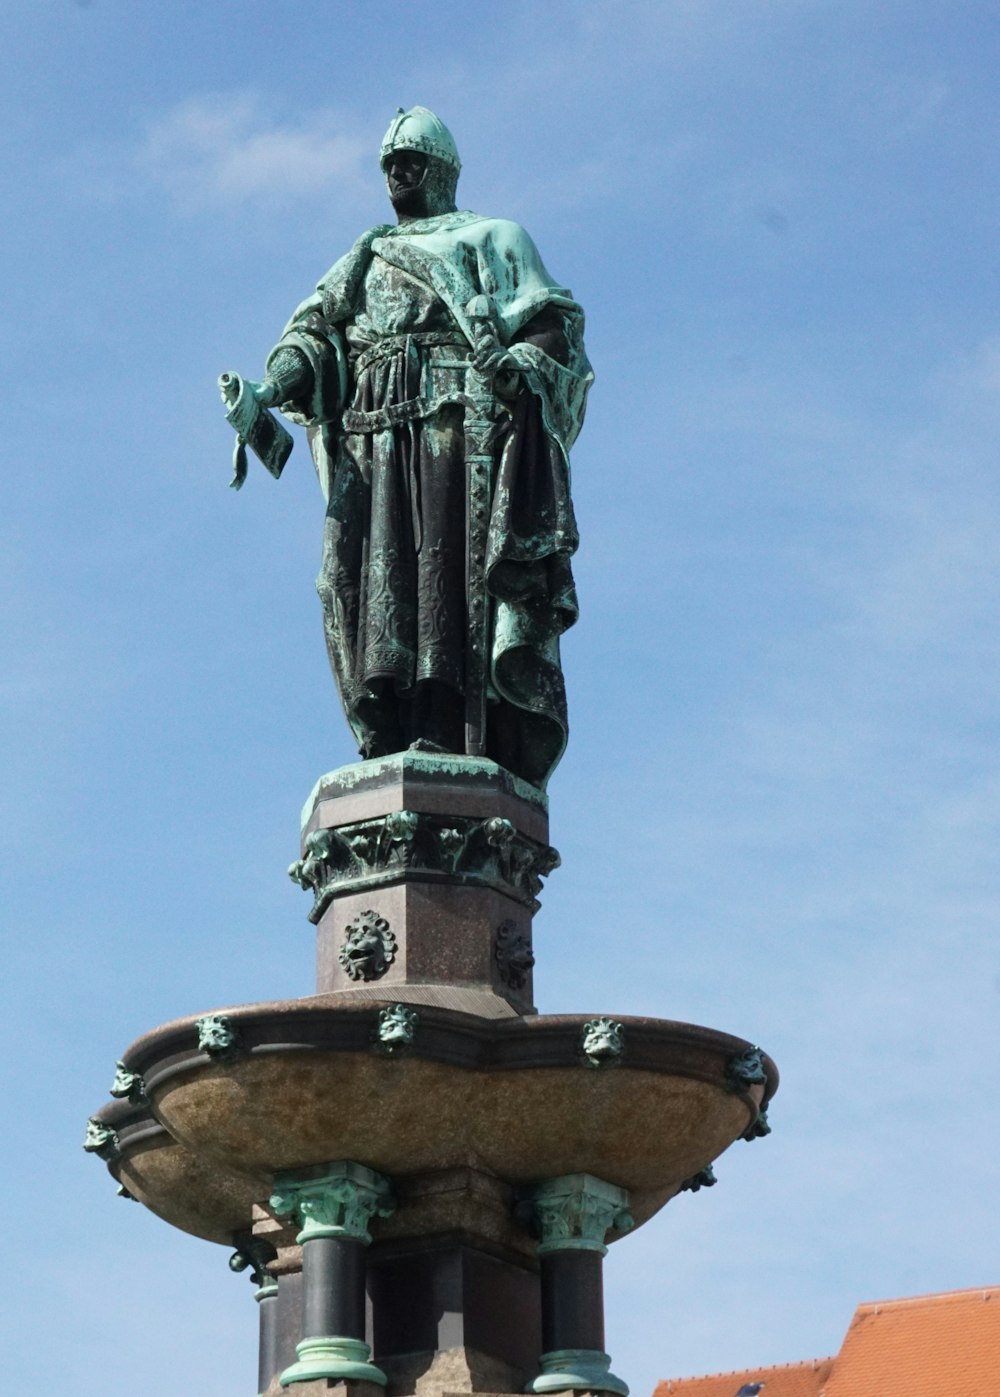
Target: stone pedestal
[420,1173]
[425,872]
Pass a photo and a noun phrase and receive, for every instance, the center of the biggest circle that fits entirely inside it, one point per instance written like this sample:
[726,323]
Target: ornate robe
[388,337]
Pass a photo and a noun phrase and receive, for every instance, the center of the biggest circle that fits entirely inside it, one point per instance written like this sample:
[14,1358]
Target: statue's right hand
[266,393]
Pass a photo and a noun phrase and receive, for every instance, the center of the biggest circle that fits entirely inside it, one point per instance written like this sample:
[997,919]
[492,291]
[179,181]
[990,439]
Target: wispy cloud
[225,149]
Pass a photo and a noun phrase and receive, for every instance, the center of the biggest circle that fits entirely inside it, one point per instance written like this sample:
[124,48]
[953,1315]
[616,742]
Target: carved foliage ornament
[576,1213]
[369,947]
[340,1204]
[483,852]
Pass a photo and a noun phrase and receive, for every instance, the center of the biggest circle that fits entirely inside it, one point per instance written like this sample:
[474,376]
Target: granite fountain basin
[183,1188]
[307,1081]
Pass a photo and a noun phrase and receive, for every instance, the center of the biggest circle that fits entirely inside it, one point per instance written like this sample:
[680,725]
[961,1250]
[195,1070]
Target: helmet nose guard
[419,129]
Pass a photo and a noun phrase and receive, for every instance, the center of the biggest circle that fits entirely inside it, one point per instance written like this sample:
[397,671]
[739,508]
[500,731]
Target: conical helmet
[419,129]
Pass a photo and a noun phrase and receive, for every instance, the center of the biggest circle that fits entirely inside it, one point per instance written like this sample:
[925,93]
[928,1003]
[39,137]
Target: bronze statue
[441,376]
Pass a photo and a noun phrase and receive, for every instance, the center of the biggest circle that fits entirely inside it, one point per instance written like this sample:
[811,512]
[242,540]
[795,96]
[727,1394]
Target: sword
[479,423]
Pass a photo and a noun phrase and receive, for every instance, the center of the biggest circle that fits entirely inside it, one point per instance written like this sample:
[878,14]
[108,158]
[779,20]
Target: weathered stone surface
[446,856]
[455,1370]
[514,1097]
[445,935]
[325,1387]
[429,784]
[185,1189]
[467,1204]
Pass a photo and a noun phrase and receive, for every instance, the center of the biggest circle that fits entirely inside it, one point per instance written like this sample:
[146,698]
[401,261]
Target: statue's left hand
[495,363]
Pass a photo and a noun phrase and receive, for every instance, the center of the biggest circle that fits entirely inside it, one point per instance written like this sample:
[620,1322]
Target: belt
[399,344]
[397,414]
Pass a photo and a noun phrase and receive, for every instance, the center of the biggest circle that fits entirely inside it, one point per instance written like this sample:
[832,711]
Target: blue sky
[779,810]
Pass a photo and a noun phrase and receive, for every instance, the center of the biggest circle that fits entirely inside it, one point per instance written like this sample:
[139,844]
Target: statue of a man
[441,375]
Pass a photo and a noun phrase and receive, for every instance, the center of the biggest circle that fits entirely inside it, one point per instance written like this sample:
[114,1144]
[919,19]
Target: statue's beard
[410,202]
[433,195]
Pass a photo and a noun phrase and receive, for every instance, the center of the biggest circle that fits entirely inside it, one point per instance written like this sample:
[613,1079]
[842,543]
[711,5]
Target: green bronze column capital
[339,1203]
[576,1212]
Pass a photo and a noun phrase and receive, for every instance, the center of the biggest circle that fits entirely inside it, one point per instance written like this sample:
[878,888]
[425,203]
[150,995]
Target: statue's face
[404,175]
[419,185]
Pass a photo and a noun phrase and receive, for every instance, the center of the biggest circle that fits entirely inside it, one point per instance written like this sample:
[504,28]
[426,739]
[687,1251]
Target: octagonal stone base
[425,872]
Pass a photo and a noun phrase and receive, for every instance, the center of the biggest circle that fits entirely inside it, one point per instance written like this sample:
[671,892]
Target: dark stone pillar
[268,1361]
[572,1216]
[437,1295]
[333,1210]
[572,1301]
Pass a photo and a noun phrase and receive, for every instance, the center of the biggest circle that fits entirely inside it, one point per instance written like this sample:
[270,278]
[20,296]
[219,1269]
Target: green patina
[338,1204]
[603,1042]
[427,766]
[760,1128]
[217,1035]
[575,1213]
[341,1202]
[441,375]
[339,1359]
[101,1139]
[705,1178]
[128,1085]
[397,1027]
[746,1069]
[577,1369]
[481,853]
[255,1254]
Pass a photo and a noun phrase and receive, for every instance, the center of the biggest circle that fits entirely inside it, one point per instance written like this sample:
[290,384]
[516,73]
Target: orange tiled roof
[930,1344]
[926,1346]
[785,1380]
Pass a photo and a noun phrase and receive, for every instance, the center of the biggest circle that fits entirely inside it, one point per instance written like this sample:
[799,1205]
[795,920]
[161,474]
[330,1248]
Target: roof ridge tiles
[812,1363]
[933,1297]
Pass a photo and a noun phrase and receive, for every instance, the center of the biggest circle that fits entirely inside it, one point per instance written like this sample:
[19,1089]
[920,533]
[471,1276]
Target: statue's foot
[424,744]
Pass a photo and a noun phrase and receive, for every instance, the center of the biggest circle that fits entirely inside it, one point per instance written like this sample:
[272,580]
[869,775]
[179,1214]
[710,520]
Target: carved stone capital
[575,1213]
[340,1203]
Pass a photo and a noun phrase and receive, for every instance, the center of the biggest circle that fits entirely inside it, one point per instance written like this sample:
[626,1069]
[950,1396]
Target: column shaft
[333,1271]
[269,1360]
[572,1300]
